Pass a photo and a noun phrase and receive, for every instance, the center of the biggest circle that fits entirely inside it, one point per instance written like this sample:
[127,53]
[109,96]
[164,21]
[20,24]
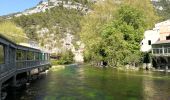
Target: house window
[20,55]
[141,43]
[160,51]
[165,50]
[12,55]
[2,55]
[30,55]
[168,37]
[36,56]
[168,50]
[149,42]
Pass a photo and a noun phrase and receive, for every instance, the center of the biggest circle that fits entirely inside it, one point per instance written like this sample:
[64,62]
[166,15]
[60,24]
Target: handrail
[161,48]
[29,60]
[19,65]
[161,51]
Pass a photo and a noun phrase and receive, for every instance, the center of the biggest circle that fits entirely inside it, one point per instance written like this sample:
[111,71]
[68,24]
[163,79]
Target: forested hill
[50,27]
[59,24]
[57,20]
[53,28]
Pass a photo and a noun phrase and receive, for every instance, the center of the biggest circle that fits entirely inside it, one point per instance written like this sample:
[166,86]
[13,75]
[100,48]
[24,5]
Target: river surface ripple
[89,83]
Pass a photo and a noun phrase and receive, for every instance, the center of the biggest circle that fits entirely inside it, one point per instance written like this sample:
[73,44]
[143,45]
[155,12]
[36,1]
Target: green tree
[66,57]
[112,33]
[163,9]
[91,27]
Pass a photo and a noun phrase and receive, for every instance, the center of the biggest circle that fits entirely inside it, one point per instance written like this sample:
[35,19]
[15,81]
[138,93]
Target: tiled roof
[162,42]
[164,32]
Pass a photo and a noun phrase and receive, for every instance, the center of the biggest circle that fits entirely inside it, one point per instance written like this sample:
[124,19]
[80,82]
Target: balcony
[161,51]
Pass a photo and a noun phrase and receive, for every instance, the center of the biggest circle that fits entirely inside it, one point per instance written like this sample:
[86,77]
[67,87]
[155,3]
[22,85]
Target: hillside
[44,5]
[12,32]
[50,27]
[54,24]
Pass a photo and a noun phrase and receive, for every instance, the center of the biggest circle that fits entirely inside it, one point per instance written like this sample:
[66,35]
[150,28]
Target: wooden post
[163,50]
[146,67]
[29,76]
[0,90]
[26,62]
[14,81]
[166,68]
[159,67]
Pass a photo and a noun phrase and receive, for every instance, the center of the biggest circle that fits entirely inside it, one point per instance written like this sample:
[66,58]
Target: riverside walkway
[18,61]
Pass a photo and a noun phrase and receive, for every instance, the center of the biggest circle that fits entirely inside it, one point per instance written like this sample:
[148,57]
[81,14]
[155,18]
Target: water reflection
[156,88]
[87,83]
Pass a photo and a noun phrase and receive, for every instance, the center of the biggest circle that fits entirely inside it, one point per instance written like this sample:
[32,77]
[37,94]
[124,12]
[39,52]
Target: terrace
[161,48]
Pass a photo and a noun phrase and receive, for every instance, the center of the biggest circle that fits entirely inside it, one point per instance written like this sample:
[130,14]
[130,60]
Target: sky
[13,6]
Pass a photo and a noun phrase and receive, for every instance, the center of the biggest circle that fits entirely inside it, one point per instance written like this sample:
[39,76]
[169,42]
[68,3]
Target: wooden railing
[161,51]
[5,69]
[30,63]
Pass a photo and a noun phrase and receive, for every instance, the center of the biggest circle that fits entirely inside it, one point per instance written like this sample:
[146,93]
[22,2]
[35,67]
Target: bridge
[17,61]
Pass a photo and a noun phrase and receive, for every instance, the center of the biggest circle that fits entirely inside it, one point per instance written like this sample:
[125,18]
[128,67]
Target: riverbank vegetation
[63,58]
[113,31]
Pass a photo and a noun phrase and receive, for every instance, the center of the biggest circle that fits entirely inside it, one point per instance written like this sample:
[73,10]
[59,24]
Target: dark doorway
[149,42]
[168,37]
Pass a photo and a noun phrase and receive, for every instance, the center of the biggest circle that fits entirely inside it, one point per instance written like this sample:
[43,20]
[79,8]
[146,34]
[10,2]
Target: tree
[148,10]
[91,27]
[66,57]
[113,31]
[113,45]
[163,9]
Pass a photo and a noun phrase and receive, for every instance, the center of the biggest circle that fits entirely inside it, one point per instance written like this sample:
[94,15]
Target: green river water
[90,83]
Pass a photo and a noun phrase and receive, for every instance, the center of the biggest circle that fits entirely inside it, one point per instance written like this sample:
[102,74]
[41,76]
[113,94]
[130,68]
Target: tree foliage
[57,17]
[112,33]
[66,57]
[164,9]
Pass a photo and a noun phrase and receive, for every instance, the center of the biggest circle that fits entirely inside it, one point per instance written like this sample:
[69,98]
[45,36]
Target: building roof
[162,42]
[16,45]
[7,39]
[164,32]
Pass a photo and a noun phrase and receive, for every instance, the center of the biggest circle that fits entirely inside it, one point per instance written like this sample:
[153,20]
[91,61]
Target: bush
[54,62]
[65,58]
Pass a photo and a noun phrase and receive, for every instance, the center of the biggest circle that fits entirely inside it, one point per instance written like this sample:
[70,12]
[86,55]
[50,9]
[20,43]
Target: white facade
[150,37]
[159,33]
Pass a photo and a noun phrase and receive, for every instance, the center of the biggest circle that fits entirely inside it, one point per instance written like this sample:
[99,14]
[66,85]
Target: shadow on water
[89,83]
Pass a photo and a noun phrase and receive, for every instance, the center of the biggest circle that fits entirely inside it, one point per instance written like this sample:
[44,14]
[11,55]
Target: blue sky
[12,6]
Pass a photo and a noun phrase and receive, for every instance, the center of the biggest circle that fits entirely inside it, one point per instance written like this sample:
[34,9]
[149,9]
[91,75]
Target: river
[90,83]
